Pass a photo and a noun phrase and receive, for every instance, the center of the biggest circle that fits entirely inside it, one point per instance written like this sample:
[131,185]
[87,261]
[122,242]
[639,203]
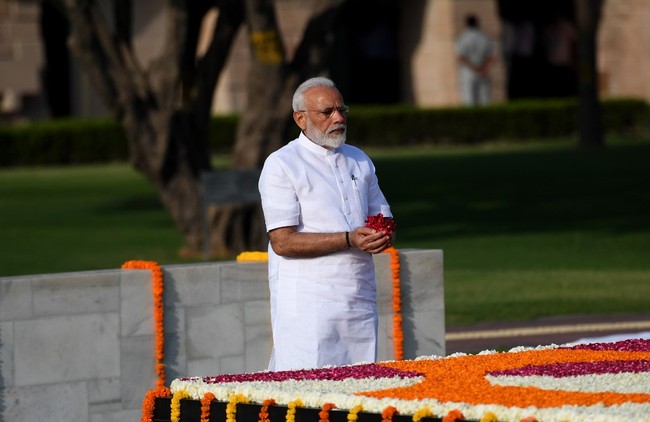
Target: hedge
[515,121]
[102,140]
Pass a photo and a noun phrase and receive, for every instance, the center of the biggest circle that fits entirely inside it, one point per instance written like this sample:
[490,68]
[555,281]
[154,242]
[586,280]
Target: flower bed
[602,381]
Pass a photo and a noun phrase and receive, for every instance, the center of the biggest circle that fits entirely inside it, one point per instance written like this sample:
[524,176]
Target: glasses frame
[329,111]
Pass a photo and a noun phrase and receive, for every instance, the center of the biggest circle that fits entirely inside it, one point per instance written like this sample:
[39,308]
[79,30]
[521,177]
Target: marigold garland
[253,256]
[453,416]
[529,419]
[489,417]
[176,405]
[398,332]
[425,412]
[324,414]
[231,407]
[353,415]
[205,406]
[158,288]
[388,413]
[264,410]
[149,402]
[291,411]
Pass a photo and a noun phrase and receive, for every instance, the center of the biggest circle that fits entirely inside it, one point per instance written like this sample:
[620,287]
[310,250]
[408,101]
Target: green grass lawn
[527,231]
[81,218]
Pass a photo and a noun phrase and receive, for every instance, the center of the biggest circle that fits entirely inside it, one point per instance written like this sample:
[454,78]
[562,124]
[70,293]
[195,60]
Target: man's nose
[338,116]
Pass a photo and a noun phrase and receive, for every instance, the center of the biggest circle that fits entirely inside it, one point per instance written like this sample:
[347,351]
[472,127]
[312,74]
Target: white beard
[326,140]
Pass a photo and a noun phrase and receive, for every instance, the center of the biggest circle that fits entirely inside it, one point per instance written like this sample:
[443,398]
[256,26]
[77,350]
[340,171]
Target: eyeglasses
[329,111]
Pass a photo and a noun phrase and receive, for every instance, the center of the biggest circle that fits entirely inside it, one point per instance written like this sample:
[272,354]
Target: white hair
[298,102]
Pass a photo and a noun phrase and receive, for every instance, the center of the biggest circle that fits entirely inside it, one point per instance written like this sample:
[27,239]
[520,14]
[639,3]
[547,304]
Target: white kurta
[323,310]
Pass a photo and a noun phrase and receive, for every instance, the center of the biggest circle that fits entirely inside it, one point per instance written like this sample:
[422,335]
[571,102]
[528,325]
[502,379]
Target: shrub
[73,141]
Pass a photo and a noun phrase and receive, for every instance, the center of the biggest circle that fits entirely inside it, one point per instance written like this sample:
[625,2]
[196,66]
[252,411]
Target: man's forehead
[323,94]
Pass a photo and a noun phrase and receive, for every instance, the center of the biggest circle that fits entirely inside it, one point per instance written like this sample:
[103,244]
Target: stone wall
[80,346]
[21,54]
[623,52]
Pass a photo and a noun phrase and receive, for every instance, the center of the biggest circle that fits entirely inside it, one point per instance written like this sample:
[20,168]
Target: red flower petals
[382,224]
[333,374]
[634,345]
[570,369]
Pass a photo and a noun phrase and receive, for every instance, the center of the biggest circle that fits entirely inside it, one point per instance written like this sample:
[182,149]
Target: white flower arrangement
[619,371]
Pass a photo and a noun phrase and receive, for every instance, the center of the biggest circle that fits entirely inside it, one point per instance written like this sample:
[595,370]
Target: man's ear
[300,119]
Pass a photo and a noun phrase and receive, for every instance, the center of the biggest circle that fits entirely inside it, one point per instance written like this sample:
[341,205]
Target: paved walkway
[544,331]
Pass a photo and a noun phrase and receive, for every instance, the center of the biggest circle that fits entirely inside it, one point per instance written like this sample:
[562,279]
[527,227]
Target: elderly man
[317,193]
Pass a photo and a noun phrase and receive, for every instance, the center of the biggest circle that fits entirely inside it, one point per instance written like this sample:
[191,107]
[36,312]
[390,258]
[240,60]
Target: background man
[317,193]
[474,49]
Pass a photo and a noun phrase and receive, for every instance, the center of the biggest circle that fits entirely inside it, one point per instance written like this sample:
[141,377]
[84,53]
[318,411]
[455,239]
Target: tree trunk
[237,228]
[266,123]
[166,131]
[165,110]
[588,14]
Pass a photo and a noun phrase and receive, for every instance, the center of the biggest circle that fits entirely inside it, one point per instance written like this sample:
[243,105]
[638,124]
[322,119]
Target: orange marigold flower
[388,413]
[324,414]
[157,287]
[149,402]
[398,333]
[453,416]
[264,410]
[205,406]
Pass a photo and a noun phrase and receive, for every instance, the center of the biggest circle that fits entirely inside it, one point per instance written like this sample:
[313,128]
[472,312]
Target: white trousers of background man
[474,88]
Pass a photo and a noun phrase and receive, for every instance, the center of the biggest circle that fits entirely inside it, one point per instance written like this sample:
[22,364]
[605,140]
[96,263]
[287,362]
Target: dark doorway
[366,60]
[56,73]
[540,48]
